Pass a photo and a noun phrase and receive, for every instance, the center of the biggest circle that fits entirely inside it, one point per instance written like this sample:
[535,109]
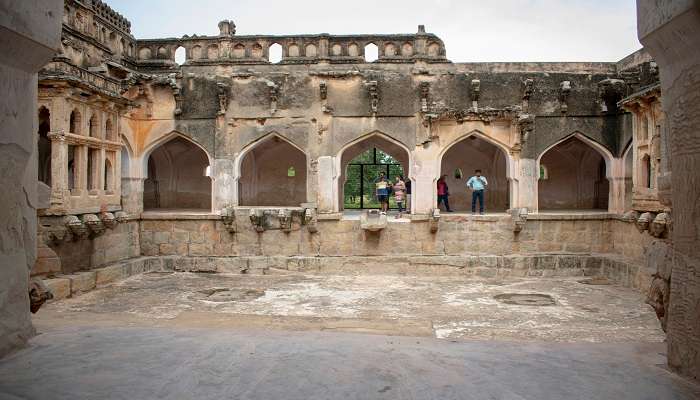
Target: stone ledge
[571,216]
[178,216]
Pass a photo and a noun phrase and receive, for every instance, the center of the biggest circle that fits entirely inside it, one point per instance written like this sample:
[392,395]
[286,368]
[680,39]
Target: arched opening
[275,53]
[371,52]
[44,145]
[577,178]
[239,51]
[180,55]
[176,177]
[109,177]
[273,173]
[94,126]
[361,165]
[310,50]
[647,172]
[460,162]
[109,130]
[74,122]
[643,127]
[256,51]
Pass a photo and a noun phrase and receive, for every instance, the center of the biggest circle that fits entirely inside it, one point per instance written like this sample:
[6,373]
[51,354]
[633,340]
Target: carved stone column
[327,194]
[59,169]
[528,181]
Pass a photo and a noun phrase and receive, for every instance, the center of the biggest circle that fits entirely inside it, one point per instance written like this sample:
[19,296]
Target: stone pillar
[670,32]
[425,172]
[616,193]
[224,185]
[59,170]
[132,195]
[327,193]
[527,182]
[80,166]
[100,178]
[30,32]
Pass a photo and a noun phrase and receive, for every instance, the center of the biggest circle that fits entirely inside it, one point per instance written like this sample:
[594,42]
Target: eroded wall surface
[29,35]
[670,31]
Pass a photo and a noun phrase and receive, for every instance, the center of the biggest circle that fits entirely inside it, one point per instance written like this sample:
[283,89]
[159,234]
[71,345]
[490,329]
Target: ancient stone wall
[670,31]
[29,36]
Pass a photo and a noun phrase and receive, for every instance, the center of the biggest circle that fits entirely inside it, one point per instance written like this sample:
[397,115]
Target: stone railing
[64,70]
[299,49]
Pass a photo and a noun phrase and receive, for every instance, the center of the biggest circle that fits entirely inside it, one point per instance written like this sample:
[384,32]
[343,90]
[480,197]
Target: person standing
[382,192]
[443,193]
[399,190]
[477,184]
[408,196]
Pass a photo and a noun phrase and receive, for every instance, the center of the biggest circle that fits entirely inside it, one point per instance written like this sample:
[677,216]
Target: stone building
[232,159]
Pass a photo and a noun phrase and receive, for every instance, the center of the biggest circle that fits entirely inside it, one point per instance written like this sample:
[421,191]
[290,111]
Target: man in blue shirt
[477,184]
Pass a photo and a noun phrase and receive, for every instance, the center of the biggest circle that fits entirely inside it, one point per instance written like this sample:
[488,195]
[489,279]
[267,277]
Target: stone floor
[184,335]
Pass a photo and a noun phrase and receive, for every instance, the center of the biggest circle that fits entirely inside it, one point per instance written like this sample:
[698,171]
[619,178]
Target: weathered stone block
[59,287]
[112,273]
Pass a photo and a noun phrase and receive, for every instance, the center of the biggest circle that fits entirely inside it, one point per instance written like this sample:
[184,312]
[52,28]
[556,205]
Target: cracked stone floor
[186,335]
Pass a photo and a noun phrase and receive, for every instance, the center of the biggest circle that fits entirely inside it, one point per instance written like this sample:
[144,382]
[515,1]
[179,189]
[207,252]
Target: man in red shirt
[443,193]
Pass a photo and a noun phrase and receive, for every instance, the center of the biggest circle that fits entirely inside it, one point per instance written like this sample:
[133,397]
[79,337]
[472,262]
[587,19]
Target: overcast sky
[473,30]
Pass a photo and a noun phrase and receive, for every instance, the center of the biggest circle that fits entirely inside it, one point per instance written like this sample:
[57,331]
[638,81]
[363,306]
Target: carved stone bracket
[121,217]
[285,219]
[76,227]
[643,221]
[373,221]
[257,219]
[528,88]
[228,217]
[273,92]
[311,220]
[526,123]
[93,223]
[519,218]
[659,227]
[434,220]
[108,220]
[610,91]
[323,89]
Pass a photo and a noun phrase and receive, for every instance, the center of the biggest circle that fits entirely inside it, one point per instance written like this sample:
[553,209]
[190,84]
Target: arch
[579,172]
[274,53]
[110,134]
[371,52]
[375,139]
[176,177]
[407,49]
[293,50]
[94,126]
[472,151]
[256,51]
[646,172]
[239,50]
[336,50]
[161,141]
[310,50]
[162,53]
[389,50]
[145,53]
[433,49]
[196,52]
[109,176]
[353,50]
[44,145]
[75,122]
[180,55]
[264,177]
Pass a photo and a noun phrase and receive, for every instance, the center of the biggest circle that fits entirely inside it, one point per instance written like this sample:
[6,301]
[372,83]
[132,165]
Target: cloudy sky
[473,30]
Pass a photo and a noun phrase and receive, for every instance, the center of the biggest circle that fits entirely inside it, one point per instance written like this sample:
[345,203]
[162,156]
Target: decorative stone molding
[643,221]
[526,123]
[564,92]
[257,219]
[121,216]
[228,217]
[222,91]
[373,221]
[610,91]
[93,223]
[519,218]
[311,220]
[39,294]
[76,227]
[373,91]
[108,220]
[660,225]
[285,219]
[631,216]
[434,220]
[273,92]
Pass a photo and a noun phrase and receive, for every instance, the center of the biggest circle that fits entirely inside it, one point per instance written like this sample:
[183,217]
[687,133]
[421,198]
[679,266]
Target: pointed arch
[375,139]
[271,171]
[469,152]
[580,170]
[175,170]
[44,146]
